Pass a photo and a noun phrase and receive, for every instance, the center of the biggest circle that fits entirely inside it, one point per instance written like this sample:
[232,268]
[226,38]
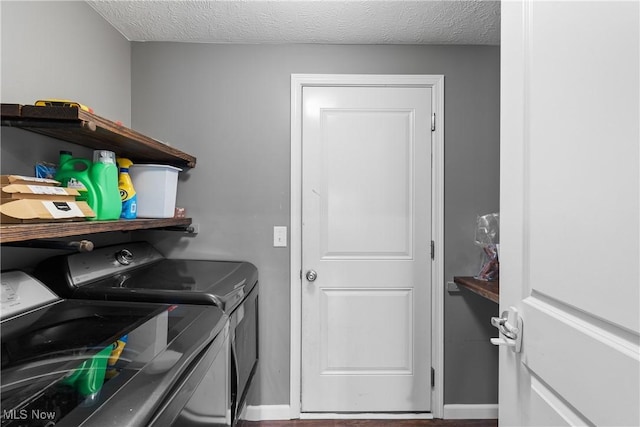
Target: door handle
[311,275]
[510,326]
[503,325]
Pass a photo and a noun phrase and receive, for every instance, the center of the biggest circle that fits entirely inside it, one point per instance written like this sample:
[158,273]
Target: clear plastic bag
[488,238]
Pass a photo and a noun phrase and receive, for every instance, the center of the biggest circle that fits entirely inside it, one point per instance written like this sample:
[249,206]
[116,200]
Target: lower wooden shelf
[489,290]
[23,232]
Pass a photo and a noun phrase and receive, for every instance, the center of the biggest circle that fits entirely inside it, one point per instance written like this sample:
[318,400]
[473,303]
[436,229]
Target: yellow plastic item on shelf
[53,102]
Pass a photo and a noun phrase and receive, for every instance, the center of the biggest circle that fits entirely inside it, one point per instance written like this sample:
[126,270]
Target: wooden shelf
[23,232]
[489,290]
[89,130]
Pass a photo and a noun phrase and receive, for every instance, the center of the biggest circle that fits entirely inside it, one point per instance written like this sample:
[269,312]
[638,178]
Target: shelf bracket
[189,229]
[80,246]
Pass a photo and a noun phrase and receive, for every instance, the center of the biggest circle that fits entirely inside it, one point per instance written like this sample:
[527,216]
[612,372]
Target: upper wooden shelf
[489,290]
[89,130]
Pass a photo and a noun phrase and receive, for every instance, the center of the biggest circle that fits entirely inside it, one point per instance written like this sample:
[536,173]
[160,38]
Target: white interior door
[569,212]
[366,218]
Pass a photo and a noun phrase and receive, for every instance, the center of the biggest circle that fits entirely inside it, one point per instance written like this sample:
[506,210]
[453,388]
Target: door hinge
[433,377]
[433,122]
[433,250]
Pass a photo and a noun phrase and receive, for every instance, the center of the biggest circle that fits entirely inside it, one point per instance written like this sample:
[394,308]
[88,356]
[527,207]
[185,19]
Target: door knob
[311,275]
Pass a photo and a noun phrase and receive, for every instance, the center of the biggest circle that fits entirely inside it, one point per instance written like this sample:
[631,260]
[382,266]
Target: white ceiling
[307,21]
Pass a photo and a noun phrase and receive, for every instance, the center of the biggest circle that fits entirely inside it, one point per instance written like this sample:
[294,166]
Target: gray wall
[56,49]
[64,49]
[229,105]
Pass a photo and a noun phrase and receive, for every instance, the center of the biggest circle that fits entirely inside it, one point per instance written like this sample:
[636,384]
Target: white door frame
[436,83]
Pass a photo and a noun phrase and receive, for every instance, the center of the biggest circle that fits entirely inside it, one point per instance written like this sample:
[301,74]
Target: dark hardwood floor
[370,423]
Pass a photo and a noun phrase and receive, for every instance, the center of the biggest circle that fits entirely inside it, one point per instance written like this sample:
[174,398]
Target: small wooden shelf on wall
[489,290]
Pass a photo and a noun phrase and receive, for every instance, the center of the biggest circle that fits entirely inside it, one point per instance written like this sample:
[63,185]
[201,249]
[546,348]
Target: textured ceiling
[310,21]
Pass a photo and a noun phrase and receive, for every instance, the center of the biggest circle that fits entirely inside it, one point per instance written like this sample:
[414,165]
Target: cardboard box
[21,179]
[40,192]
[32,210]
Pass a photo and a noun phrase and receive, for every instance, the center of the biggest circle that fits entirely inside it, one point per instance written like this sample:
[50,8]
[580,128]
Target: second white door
[569,213]
[366,231]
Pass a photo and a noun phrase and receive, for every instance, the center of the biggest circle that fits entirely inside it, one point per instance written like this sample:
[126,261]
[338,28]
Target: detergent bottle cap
[65,156]
[104,156]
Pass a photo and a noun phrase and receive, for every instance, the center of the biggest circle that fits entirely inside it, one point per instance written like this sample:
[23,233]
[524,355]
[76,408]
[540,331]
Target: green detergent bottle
[104,175]
[97,182]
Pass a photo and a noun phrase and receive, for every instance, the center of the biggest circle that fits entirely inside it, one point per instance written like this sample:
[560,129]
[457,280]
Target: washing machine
[138,272]
[105,363]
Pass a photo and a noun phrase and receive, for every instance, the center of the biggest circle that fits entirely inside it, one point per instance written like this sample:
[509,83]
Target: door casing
[436,83]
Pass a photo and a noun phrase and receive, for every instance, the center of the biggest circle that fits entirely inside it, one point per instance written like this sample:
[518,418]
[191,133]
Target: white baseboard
[266,412]
[451,412]
[282,412]
[366,416]
[471,412]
